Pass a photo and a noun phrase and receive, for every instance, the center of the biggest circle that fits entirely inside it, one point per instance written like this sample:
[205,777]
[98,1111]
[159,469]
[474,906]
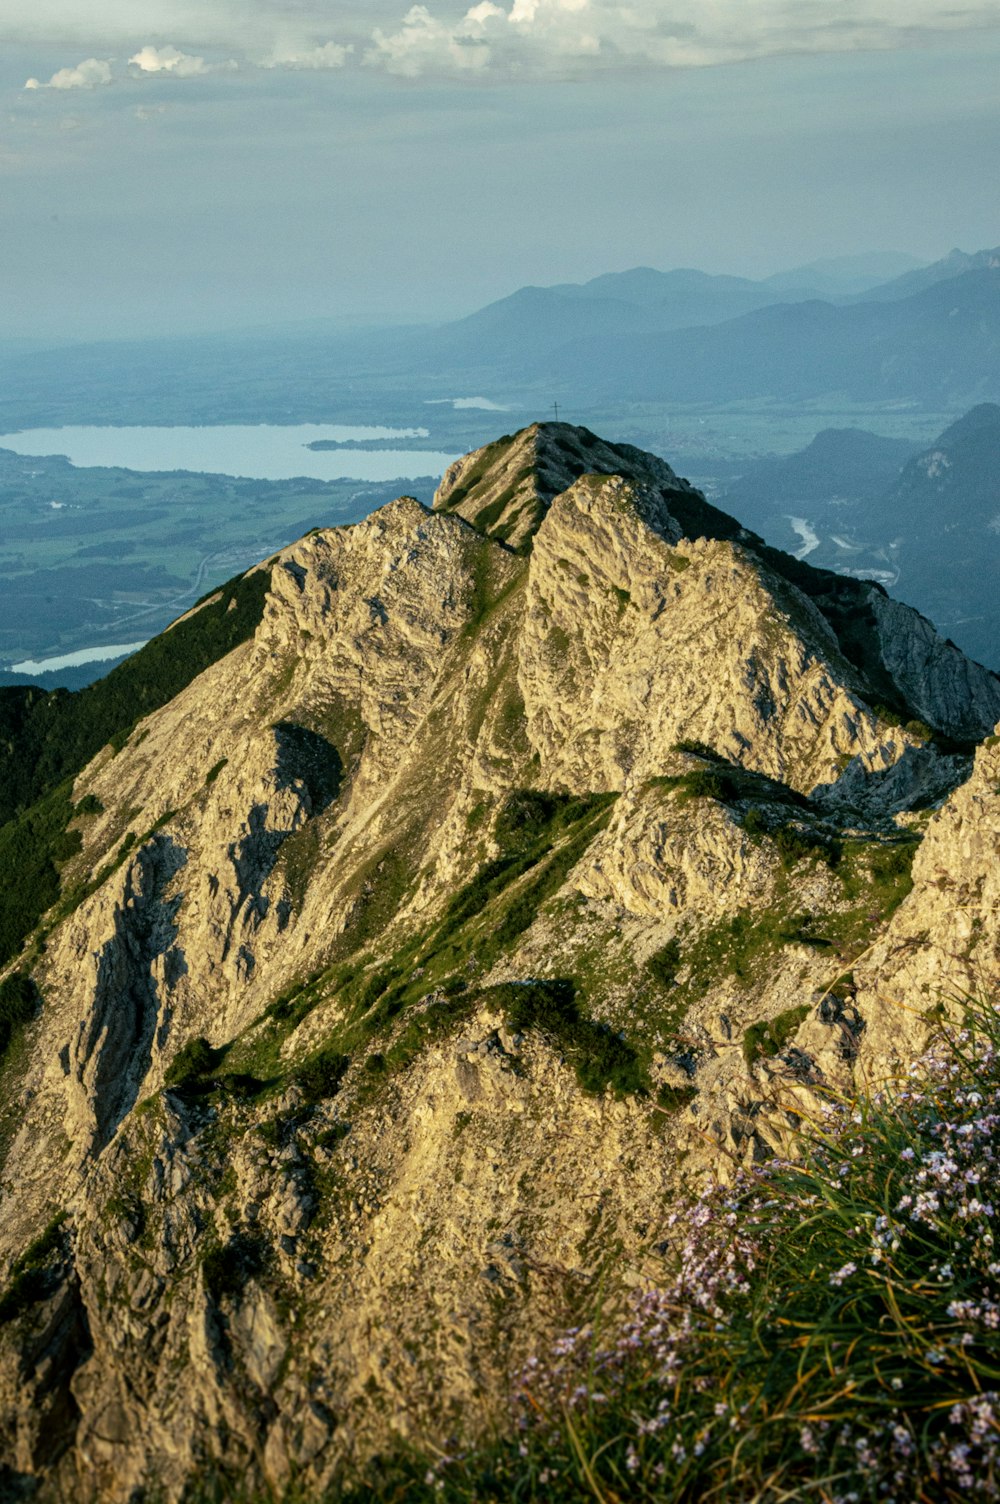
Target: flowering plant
[827,1328]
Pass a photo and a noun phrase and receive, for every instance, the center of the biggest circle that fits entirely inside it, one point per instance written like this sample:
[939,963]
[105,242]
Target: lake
[76,660]
[260,452]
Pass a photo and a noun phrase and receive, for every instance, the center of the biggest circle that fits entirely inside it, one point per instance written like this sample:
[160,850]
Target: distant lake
[261,452]
[76,660]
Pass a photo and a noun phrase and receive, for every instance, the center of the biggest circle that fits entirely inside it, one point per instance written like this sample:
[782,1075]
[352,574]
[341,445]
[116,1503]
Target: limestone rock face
[621,619]
[944,686]
[656,862]
[537,850]
[506,488]
[942,946]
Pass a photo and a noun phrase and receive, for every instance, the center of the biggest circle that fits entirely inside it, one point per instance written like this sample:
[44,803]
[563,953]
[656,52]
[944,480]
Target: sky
[191,165]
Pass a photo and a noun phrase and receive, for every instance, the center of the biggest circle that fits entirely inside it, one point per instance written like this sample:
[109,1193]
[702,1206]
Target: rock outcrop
[540,853]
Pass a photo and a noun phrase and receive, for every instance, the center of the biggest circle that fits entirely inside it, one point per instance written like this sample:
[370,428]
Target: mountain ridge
[939,343]
[448,906]
[926,528]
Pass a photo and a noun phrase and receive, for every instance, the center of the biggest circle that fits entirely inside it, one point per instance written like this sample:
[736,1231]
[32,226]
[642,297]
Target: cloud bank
[90,74]
[526,37]
[518,39]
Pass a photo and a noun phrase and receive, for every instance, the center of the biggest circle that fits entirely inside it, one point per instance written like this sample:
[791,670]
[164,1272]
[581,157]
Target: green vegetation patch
[88,805]
[380,887]
[739,946]
[882,870]
[32,849]
[227,1267]
[915,727]
[194,1073]
[319,1076]
[298,999]
[726,783]
[35,1274]
[493,517]
[195,1060]
[489,515]
[874,876]
[529,816]
[49,737]
[795,843]
[489,457]
[768,1039]
[20,1001]
[215,770]
[72,897]
[494,578]
[297,860]
[423,1025]
[422,991]
[542,837]
[671,1098]
[664,964]
[600,1058]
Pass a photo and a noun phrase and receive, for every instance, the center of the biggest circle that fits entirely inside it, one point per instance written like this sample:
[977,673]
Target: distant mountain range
[928,335]
[837,276]
[685,337]
[844,276]
[955,264]
[925,524]
[938,346]
[520,328]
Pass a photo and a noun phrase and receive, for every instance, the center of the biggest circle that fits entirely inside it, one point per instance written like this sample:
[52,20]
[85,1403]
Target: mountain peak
[506,488]
[984,418]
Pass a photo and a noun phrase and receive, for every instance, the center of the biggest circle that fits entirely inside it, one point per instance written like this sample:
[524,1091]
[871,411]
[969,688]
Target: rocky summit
[389,945]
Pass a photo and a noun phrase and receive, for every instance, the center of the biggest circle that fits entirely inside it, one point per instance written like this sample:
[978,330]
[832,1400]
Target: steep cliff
[535,855]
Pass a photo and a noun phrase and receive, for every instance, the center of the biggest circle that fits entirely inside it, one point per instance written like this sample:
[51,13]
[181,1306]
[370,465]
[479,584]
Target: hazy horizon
[216,168]
[250,321]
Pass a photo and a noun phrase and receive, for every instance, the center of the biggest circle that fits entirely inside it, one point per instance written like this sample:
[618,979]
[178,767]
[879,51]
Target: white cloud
[477,38]
[170,60]
[526,12]
[480,14]
[424,44]
[537,37]
[92,73]
[529,37]
[324,56]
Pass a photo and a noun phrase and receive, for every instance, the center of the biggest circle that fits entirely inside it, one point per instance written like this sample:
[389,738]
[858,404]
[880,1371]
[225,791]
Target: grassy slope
[47,738]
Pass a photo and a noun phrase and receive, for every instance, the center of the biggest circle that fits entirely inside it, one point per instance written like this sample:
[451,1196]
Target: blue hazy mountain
[955,264]
[925,525]
[940,346]
[678,336]
[843,467]
[844,276]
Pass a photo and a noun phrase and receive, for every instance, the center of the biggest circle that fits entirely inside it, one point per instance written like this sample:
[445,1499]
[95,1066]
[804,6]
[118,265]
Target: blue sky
[180,166]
